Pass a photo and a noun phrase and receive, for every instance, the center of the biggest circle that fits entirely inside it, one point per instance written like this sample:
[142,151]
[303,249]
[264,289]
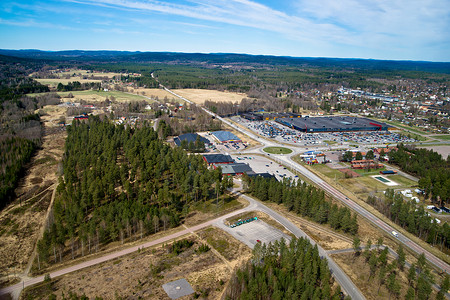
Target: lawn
[329,172]
[443,137]
[398,124]
[277,150]
[405,182]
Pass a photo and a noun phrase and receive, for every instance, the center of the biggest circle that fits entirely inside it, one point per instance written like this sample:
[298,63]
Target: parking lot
[281,133]
[251,233]
[261,164]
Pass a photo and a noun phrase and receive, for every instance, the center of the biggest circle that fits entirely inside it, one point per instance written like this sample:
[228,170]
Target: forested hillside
[305,200]
[281,271]
[429,166]
[121,183]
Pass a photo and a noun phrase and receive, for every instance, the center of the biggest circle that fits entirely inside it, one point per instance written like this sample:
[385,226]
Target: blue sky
[379,29]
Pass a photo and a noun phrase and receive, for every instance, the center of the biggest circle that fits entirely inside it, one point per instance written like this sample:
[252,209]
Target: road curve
[330,190]
[344,281]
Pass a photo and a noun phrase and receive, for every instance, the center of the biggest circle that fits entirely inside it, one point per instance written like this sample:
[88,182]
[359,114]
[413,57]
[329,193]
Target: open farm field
[142,274]
[53,82]
[100,96]
[199,96]
[153,93]
[87,73]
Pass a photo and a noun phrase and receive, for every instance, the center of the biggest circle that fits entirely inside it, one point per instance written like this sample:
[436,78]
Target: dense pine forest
[281,271]
[14,153]
[305,200]
[433,170]
[415,220]
[121,183]
[20,128]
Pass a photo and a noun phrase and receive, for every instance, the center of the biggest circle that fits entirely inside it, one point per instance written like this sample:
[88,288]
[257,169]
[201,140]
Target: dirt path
[212,248]
[22,221]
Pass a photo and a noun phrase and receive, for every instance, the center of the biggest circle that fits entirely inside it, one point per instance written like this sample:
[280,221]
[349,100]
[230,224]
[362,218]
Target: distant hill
[228,58]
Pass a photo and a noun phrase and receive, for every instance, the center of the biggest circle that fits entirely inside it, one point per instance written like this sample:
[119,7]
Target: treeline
[305,200]
[121,184]
[145,80]
[14,153]
[77,86]
[281,271]
[190,119]
[413,219]
[419,276]
[433,170]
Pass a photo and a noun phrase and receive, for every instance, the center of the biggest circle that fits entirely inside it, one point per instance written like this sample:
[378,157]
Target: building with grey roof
[332,124]
[235,169]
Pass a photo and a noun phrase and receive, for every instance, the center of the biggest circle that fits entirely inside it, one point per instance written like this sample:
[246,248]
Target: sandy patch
[142,274]
[442,150]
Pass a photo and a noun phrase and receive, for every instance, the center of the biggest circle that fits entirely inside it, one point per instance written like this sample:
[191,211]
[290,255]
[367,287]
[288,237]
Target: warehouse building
[332,124]
[226,137]
[235,169]
[190,138]
[217,159]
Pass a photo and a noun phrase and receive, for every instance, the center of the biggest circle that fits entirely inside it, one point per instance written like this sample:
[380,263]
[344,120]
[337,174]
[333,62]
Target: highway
[287,160]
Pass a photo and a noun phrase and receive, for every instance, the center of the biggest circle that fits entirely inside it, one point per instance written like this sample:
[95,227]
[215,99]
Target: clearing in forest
[199,96]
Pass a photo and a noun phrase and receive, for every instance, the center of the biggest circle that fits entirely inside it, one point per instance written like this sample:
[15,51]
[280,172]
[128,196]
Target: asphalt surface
[287,159]
[344,281]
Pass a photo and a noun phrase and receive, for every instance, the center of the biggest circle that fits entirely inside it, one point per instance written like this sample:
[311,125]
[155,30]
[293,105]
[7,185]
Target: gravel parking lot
[251,233]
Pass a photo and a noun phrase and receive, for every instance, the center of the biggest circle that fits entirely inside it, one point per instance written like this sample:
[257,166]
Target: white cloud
[33,23]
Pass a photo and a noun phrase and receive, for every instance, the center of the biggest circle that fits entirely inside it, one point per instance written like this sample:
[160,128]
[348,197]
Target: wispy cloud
[33,23]
[234,12]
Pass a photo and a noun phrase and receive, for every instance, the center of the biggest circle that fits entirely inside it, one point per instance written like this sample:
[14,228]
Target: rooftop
[332,123]
[218,158]
[225,136]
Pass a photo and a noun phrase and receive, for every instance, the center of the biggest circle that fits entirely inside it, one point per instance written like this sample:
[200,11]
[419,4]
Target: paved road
[345,282]
[330,190]
[28,282]
[366,214]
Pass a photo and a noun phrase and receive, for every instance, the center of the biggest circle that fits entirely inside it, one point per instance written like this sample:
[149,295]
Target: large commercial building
[332,124]
[190,138]
[225,136]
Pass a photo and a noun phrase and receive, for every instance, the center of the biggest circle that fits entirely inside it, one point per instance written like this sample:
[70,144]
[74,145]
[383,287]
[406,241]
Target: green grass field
[443,137]
[403,126]
[277,150]
[94,95]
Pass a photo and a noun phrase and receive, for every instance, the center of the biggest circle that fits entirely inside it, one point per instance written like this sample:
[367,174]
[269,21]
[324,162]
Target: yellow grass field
[55,81]
[199,96]
[160,93]
[92,95]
